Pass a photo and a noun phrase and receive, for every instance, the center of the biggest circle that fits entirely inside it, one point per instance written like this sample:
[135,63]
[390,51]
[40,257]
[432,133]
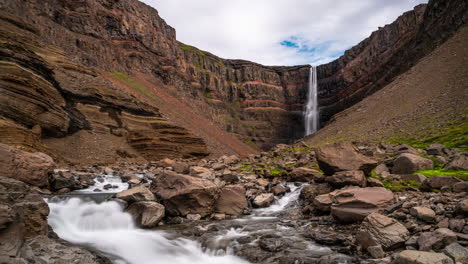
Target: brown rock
[414,177]
[408,163]
[202,172]
[354,204]
[380,230]
[458,163]
[373,182]
[183,194]
[136,194]
[438,182]
[423,213]
[279,189]
[304,175]
[460,187]
[232,200]
[147,214]
[263,200]
[421,257]
[436,240]
[345,178]
[343,156]
[31,168]
[323,202]
[166,163]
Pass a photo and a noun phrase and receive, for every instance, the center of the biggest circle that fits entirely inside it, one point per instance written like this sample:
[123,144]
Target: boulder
[414,177]
[147,214]
[436,240]
[304,175]
[345,178]
[437,182]
[202,172]
[423,213]
[408,163]
[458,163]
[460,187]
[166,163]
[181,167]
[136,194]
[309,192]
[354,204]
[421,257]
[183,194]
[323,202]
[380,230]
[231,201]
[435,149]
[31,168]
[264,200]
[279,189]
[462,207]
[343,156]
[457,252]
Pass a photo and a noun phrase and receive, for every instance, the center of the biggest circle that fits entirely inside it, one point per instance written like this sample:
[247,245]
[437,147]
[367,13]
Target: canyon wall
[90,71]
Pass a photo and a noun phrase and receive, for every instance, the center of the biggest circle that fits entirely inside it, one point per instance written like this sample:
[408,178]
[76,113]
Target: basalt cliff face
[98,80]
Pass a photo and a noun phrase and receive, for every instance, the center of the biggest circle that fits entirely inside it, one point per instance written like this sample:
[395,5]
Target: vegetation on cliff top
[132,83]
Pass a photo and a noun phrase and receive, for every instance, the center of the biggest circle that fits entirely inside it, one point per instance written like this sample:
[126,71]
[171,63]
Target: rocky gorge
[120,144]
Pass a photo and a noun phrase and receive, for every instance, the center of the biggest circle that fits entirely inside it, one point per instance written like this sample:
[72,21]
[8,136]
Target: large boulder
[408,163]
[380,230]
[345,178]
[232,200]
[353,204]
[183,194]
[264,200]
[343,156]
[458,163]
[421,257]
[136,194]
[147,214]
[304,175]
[438,182]
[31,168]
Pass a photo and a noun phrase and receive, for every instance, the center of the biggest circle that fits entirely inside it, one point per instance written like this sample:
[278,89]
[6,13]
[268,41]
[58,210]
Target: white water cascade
[311,114]
[107,228]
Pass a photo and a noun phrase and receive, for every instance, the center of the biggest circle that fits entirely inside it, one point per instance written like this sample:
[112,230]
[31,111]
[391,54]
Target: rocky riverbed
[340,203]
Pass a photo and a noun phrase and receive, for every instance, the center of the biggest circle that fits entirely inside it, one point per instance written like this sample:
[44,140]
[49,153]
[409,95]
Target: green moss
[249,142]
[275,172]
[193,49]
[374,174]
[130,82]
[394,187]
[462,174]
[220,63]
[209,95]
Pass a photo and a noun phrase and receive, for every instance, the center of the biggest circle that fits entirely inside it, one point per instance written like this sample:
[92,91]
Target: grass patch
[193,49]
[462,174]
[275,172]
[130,82]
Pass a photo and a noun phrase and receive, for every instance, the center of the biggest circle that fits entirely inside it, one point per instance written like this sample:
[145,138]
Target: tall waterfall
[311,113]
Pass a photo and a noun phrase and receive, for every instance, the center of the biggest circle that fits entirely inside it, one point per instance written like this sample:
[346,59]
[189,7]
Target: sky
[278,32]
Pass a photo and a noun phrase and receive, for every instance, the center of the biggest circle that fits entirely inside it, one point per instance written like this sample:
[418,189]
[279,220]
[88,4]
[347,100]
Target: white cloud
[254,29]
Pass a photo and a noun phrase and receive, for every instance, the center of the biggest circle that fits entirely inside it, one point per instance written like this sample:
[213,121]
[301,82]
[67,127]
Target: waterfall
[311,113]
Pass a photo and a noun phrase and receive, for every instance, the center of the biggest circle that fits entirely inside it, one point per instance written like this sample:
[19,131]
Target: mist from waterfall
[311,114]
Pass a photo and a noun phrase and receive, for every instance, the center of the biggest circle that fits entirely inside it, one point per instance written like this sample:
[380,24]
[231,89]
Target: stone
[7,215]
[136,194]
[232,200]
[457,252]
[337,258]
[323,202]
[354,204]
[326,237]
[423,213]
[435,149]
[193,217]
[462,207]
[380,230]
[408,163]
[414,177]
[460,162]
[456,225]
[309,192]
[381,168]
[436,240]
[343,156]
[440,181]
[183,194]
[147,214]
[181,167]
[263,200]
[166,162]
[373,182]
[219,217]
[30,168]
[304,175]
[202,172]
[376,251]
[460,187]
[345,178]
[421,257]
[279,189]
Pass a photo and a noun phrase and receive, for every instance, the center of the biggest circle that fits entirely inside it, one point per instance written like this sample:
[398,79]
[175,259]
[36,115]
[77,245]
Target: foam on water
[283,203]
[106,179]
[107,228]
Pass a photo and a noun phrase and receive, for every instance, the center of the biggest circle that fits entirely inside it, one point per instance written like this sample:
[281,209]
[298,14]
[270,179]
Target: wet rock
[202,172]
[263,200]
[326,237]
[354,204]
[232,200]
[219,216]
[271,244]
[380,230]
[337,259]
[437,239]
[304,175]
[62,180]
[460,162]
[279,189]
[421,257]
[345,178]
[423,213]
[147,214]
[408,163]
[343,156]
[457,252]
[136,194]
[183,194]
[441,181]
[193,217]
[31,168]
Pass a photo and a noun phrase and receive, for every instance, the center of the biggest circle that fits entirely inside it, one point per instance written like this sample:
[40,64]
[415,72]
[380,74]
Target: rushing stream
[105,227]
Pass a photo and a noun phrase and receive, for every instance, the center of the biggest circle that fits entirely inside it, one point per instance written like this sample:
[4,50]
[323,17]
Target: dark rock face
[388,52]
